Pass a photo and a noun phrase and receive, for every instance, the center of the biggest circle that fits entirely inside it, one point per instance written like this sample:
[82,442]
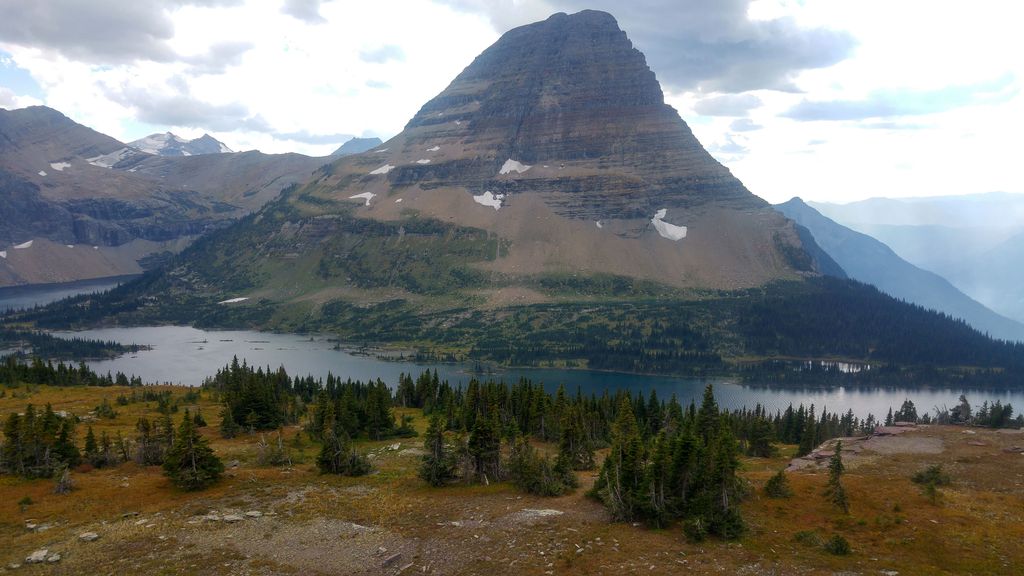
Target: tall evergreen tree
[835,492]
[575,447]
[12,454]
[485,448]
[228,426]
[724,485]
[809,435]
[438,464]
[64,449]
[338,457]
[190,463]
[620,484]
[91,448]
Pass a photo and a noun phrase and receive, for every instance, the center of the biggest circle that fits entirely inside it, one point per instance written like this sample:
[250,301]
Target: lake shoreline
[186,355]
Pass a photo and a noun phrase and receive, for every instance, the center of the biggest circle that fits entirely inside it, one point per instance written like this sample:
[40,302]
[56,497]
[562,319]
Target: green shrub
[932,475]
[837,545]
[808,538]
[536,474]
[695,529]
[778,486]
[338,457]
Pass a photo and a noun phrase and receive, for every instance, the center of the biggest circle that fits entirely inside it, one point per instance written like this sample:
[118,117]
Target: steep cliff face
[574,90]
[558,140]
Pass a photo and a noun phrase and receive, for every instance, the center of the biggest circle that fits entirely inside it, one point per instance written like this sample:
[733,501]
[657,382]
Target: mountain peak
[576,63]
[356,146]
[170,144]
[557,139]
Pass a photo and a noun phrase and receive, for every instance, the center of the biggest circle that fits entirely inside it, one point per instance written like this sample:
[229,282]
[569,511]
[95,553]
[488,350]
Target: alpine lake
[185,355]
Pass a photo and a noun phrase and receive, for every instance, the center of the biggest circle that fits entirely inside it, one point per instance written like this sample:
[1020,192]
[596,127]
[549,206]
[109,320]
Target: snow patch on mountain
[24,245]
[41,173]
[489,199]
[59,166]
[364,196]
[382,170]
[434,149]
[234,300]
[111,159]
[670,231]
[423,161]
[511,165]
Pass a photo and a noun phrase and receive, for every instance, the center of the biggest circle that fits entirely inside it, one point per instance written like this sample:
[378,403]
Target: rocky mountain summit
[557,141]
[356,146]
[168,144]
[85,205]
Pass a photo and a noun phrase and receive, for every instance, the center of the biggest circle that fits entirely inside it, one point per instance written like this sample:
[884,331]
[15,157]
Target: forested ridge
[764,335]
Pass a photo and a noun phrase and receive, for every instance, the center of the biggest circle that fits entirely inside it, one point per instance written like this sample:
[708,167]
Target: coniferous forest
[763,335]
[658,462]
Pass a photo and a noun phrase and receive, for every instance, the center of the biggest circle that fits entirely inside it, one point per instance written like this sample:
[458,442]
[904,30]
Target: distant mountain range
[868,260]
[76,204]
[974,241]
[356,146]
[168,144]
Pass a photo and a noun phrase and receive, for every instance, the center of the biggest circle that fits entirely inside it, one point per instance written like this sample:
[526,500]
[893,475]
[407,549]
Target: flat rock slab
[534,514]
[910,444]
[37,557]
[88,536]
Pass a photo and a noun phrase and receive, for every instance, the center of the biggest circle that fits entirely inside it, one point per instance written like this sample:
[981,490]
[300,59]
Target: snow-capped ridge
[169,144]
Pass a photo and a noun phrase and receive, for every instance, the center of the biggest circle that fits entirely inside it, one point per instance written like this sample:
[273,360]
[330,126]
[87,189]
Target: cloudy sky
[831,100]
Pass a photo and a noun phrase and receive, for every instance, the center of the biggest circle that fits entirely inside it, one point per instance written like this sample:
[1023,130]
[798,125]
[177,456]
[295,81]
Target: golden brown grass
[973,528]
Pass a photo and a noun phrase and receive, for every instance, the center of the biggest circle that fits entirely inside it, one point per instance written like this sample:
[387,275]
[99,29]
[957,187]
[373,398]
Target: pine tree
[778,486]
[533,472]
[835,491]
[150,447]
[165,433]
[337,456]
[574,447]
[438,464]
[228,426]
[620,484]
[907,412]
[708,416]
[190,463]
[485,448]
[92,451]
[12,454]
[724,518]
[809,436]
[761,438]
[64,450]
